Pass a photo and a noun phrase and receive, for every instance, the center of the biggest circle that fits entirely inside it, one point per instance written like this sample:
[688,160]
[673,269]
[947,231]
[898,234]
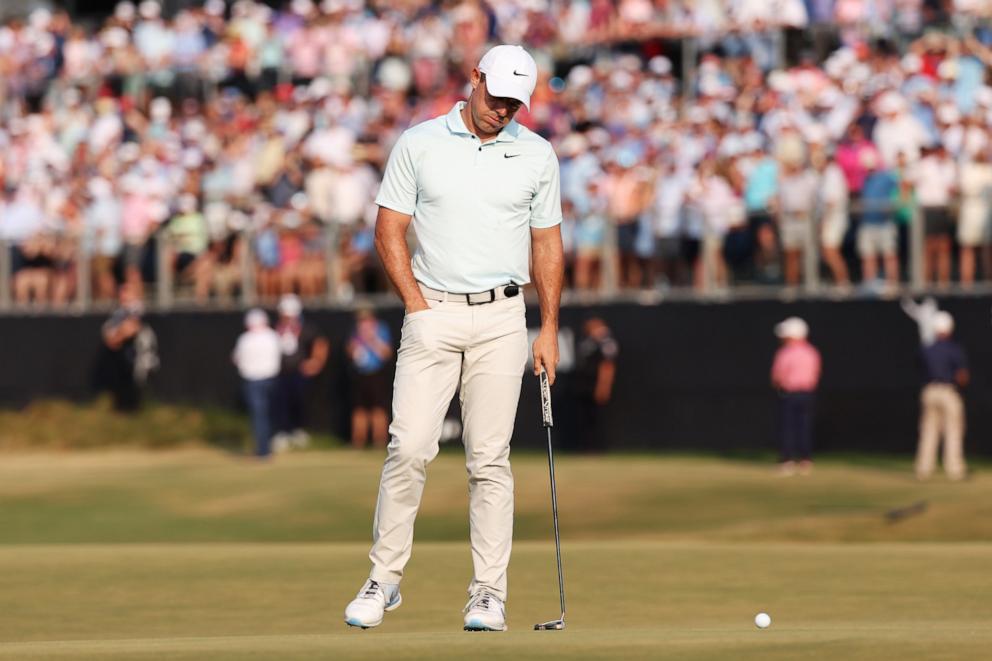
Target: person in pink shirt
[795,375]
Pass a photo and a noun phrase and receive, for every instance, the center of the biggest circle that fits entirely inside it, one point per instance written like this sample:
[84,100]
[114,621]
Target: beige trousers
[483,350]
[942,412]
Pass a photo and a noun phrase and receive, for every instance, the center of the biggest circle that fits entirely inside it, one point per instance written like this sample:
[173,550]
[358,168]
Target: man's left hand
[546,353]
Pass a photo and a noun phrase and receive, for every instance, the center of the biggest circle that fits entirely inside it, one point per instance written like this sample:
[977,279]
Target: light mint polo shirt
[473,204]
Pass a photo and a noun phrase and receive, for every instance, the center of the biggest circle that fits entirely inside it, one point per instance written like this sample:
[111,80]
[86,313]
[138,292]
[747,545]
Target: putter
[559,624]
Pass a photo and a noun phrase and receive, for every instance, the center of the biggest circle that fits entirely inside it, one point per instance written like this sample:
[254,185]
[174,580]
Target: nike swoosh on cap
[510,155]
[519,74]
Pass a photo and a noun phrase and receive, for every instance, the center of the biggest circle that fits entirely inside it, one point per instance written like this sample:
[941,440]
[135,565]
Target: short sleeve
[545,208]
[399,182]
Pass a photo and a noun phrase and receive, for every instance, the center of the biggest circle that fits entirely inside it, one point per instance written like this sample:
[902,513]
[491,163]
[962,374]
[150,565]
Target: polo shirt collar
[457,125]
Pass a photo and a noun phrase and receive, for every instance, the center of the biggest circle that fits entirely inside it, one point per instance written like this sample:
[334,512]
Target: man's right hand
[417,306]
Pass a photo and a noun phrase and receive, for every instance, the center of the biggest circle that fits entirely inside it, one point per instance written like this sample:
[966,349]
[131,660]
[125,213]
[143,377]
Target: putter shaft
[554,513]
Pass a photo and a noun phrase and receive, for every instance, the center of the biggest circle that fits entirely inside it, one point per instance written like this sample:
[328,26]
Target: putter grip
[546,417]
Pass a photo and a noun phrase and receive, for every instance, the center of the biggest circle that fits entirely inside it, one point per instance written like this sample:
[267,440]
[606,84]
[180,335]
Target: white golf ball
[762,620]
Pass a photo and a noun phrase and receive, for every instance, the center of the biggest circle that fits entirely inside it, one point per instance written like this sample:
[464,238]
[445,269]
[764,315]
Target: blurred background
[724,165]
[779,255]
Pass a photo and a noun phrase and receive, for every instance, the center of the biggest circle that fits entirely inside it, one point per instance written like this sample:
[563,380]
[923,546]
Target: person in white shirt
[973,218]
[257,356]
[832,198]
[482,193]
[794,210]
[936,179]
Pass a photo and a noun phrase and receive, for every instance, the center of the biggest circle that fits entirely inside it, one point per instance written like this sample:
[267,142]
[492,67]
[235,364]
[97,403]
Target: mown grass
[202,554]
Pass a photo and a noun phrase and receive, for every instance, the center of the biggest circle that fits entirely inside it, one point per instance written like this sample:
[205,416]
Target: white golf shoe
[374,599]
[485,612]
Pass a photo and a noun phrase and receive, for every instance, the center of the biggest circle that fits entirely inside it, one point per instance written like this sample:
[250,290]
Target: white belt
[478,298]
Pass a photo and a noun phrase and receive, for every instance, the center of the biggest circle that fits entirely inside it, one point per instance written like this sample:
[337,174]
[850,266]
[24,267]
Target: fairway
[192,555]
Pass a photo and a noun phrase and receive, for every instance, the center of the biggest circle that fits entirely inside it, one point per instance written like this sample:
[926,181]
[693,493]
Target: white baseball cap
[290,305]
[943,323]
[792,328]
[510,72]
[256,318]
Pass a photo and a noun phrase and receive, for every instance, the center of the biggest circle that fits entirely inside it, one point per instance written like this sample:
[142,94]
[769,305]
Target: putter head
[554,625]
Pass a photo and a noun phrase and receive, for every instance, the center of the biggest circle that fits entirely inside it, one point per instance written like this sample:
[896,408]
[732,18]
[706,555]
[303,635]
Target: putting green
[196,555]
[626,600]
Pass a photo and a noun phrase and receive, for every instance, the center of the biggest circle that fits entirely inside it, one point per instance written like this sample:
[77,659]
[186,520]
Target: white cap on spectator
[890,103]
[301,7]
[124,11]
[115,37]
[290,305]
[192,159]
[510,72]
[792,328]
[660,65]
[160,109]
[948,114]
[149,9]
[911,63]
[256,318]
[40,18]
[579,76]
[943,323]
[214,7]
[99,187]
[394,74]
[573,144]
[948,69]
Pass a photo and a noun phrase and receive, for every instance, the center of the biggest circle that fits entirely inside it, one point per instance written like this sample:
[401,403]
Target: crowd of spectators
[702,142]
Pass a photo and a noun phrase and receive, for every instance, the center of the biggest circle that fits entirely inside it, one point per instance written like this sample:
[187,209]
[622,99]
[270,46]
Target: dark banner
[689,375]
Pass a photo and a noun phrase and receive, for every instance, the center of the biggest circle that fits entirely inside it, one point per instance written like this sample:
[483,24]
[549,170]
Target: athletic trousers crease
[483,349]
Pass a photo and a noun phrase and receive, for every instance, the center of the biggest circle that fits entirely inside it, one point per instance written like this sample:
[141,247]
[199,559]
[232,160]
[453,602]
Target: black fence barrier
[690,376]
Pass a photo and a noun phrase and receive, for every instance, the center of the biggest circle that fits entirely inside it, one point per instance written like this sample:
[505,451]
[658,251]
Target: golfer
[482,193]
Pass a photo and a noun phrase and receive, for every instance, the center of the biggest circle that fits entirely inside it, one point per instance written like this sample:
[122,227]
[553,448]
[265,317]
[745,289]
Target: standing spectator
[189,237]
[304,353]
[976,205]
[102,236]
[832,198]
[628,193]
[596,356]
[794,206]
[795,375]
[669,196]
[877,235]
[935,178]
[130,351]
[257,355]
[369,350]
[719,207]
[942,409]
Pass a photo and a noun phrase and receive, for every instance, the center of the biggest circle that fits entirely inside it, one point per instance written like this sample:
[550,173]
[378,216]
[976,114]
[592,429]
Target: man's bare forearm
[549,273]
[390,243]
